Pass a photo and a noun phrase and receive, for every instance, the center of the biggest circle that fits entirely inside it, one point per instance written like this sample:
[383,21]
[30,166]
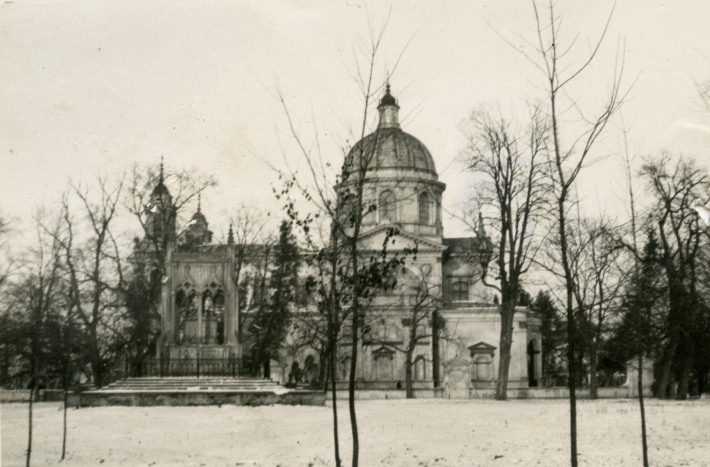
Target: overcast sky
[91,87]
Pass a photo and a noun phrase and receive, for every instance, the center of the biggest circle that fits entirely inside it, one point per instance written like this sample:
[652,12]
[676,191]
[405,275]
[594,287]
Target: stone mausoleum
[201,316]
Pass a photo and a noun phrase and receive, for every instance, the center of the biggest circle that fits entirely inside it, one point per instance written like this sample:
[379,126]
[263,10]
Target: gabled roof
[482,348]
[427,244]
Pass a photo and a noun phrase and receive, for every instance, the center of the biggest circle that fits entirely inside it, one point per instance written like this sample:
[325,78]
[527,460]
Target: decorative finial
[199,202]
[161,170]
[481,225]
[389,110]
[388,98]
[230,235]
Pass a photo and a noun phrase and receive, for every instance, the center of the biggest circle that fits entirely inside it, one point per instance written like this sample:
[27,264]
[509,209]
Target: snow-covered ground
[392,433]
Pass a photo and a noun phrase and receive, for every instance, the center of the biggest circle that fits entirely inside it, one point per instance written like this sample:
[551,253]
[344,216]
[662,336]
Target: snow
[392,433]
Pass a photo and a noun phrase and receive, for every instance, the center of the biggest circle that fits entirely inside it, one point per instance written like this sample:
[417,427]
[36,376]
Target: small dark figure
[307,373]
[294,377]
[693,390]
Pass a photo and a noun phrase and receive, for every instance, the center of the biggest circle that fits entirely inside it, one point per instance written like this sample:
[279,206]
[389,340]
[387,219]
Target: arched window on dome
[388,206]
[424,208]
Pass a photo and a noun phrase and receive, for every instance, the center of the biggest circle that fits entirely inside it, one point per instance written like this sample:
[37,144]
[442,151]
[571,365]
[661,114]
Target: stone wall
[515,393]
[165,398]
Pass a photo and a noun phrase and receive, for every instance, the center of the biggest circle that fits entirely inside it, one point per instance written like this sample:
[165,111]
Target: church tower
[160,212]
[197,232]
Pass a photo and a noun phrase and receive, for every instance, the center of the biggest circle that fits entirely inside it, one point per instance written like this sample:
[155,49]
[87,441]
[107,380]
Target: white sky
[93,86]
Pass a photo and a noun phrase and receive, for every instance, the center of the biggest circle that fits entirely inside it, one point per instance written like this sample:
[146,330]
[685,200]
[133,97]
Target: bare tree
[567,160]
[252,237]
[356,274]
[8,264]
[35,295]
[423,300]
[674,185]
[510,163]
[599,272]
[641,326]
[94,266]
[704,93]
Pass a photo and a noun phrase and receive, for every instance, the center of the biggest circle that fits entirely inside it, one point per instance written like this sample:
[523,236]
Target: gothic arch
[186,312]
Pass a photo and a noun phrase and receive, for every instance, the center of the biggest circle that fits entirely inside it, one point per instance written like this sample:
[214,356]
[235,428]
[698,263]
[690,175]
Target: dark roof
[387,99]
[392,148]
[462,245]
[198,216]
[160,189]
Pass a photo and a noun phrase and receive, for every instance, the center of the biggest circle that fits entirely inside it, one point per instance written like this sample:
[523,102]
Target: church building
[456,350]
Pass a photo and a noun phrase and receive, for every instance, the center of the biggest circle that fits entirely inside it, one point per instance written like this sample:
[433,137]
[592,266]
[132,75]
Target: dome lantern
[389,110]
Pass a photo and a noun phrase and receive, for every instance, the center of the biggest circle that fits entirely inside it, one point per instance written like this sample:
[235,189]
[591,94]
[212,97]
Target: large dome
[399,177]
[389,148]
[392,148]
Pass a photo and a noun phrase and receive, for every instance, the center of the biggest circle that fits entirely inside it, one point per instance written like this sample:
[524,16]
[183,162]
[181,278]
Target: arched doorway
[186,305]
[533,376]
[213,315]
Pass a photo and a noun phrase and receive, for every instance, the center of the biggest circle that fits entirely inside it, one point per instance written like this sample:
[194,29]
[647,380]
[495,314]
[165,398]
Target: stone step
[192,378]
[192,383]
[191,386]
[197,381]
[246,383]
[189,389]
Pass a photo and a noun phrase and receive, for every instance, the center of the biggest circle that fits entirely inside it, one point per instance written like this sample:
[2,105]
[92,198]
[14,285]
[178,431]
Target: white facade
[403,183]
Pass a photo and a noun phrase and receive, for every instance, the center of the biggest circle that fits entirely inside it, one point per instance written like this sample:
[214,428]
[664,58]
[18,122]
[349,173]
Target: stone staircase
[191,391]
[178,384]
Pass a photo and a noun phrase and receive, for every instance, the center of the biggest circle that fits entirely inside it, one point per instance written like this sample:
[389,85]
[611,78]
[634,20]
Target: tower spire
[230,235]
[199,202]
[161,179]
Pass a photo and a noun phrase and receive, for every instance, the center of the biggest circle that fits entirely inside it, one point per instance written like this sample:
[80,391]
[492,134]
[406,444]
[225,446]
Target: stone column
[171,317]
[200,306]
[632,377]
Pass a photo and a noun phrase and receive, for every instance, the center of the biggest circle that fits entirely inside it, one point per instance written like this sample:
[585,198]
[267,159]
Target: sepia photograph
[354,233]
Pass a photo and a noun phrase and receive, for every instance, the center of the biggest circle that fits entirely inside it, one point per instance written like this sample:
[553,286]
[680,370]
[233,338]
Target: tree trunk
[29,435]
[572,370]
[644,445]
[435,348]
[663,390]
[408,370]
[506,343]
[351,390]
[593,380]
[96,366]
[684,380]
[323,370]
[334,393]
[64,425]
